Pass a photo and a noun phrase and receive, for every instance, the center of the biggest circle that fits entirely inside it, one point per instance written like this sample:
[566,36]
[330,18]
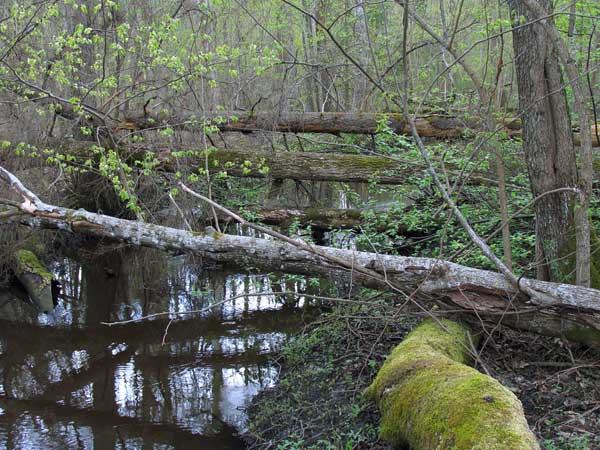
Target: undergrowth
[318,403]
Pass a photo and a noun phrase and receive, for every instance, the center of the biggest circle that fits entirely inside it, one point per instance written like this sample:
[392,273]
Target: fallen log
[562,310]
[430,399]
[310,166]
[319,218]
[35,278]
[300,166]
[438,126]
[431,125]
[324,218]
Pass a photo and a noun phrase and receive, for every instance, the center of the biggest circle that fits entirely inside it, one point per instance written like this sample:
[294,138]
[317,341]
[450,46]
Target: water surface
[67,381]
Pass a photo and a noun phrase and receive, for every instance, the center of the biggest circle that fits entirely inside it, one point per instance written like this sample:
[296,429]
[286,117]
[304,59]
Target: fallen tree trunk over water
[561,310]
[430,399]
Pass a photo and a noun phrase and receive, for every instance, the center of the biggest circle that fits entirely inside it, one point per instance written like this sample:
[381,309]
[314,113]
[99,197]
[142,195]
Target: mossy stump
[35,278]
[430,400]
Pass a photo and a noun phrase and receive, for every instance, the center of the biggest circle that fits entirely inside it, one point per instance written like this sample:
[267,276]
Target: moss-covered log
[251,163]
[302,166]
[431,400]
[35,278]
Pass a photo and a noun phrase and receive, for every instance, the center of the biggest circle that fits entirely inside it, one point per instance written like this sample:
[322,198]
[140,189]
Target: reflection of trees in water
[123,377]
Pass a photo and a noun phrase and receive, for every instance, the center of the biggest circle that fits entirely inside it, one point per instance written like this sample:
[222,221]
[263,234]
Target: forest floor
[318,403]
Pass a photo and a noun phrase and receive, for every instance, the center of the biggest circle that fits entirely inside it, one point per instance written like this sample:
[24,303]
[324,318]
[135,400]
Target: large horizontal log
[309,166]
[438,126]
[306,166]
[300,166]
[433,125]
[573,312]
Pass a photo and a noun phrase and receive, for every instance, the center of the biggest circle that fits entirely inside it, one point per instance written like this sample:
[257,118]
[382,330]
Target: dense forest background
[87,71]
[457,130]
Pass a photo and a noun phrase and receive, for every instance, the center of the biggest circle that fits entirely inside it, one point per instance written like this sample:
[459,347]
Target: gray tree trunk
[561,310]
[547,143]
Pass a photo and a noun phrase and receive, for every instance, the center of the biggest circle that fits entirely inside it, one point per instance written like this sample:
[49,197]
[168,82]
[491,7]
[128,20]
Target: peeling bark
[561,310]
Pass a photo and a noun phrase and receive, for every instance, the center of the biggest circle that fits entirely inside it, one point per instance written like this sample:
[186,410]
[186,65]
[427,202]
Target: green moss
[586,334]
[36,280]
[429,399]
[566,260]
[28,262]
[429,342]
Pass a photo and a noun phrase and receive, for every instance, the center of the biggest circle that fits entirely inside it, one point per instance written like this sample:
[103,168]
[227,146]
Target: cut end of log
[429,399]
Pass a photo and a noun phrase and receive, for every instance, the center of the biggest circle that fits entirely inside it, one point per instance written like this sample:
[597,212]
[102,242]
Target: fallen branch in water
[219,303]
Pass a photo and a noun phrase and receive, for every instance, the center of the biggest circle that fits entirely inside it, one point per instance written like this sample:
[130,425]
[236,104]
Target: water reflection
[66,381]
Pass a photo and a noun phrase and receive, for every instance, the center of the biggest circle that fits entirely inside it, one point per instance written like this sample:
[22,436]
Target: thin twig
[229,299]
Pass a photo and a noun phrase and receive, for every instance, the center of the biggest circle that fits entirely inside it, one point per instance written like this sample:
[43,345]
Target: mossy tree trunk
[430,399]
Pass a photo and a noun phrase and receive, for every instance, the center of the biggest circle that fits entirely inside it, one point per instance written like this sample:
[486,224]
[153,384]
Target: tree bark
[581,102]
[437,126]
[547,143]
[561,310]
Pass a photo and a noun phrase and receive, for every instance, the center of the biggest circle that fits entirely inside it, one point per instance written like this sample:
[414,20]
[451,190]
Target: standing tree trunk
[547,143]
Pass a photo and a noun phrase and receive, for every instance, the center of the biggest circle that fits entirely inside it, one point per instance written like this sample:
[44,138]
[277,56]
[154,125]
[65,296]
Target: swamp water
[69,382]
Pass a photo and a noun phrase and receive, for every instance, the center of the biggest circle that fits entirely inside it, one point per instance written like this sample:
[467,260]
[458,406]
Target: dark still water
[68,382]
